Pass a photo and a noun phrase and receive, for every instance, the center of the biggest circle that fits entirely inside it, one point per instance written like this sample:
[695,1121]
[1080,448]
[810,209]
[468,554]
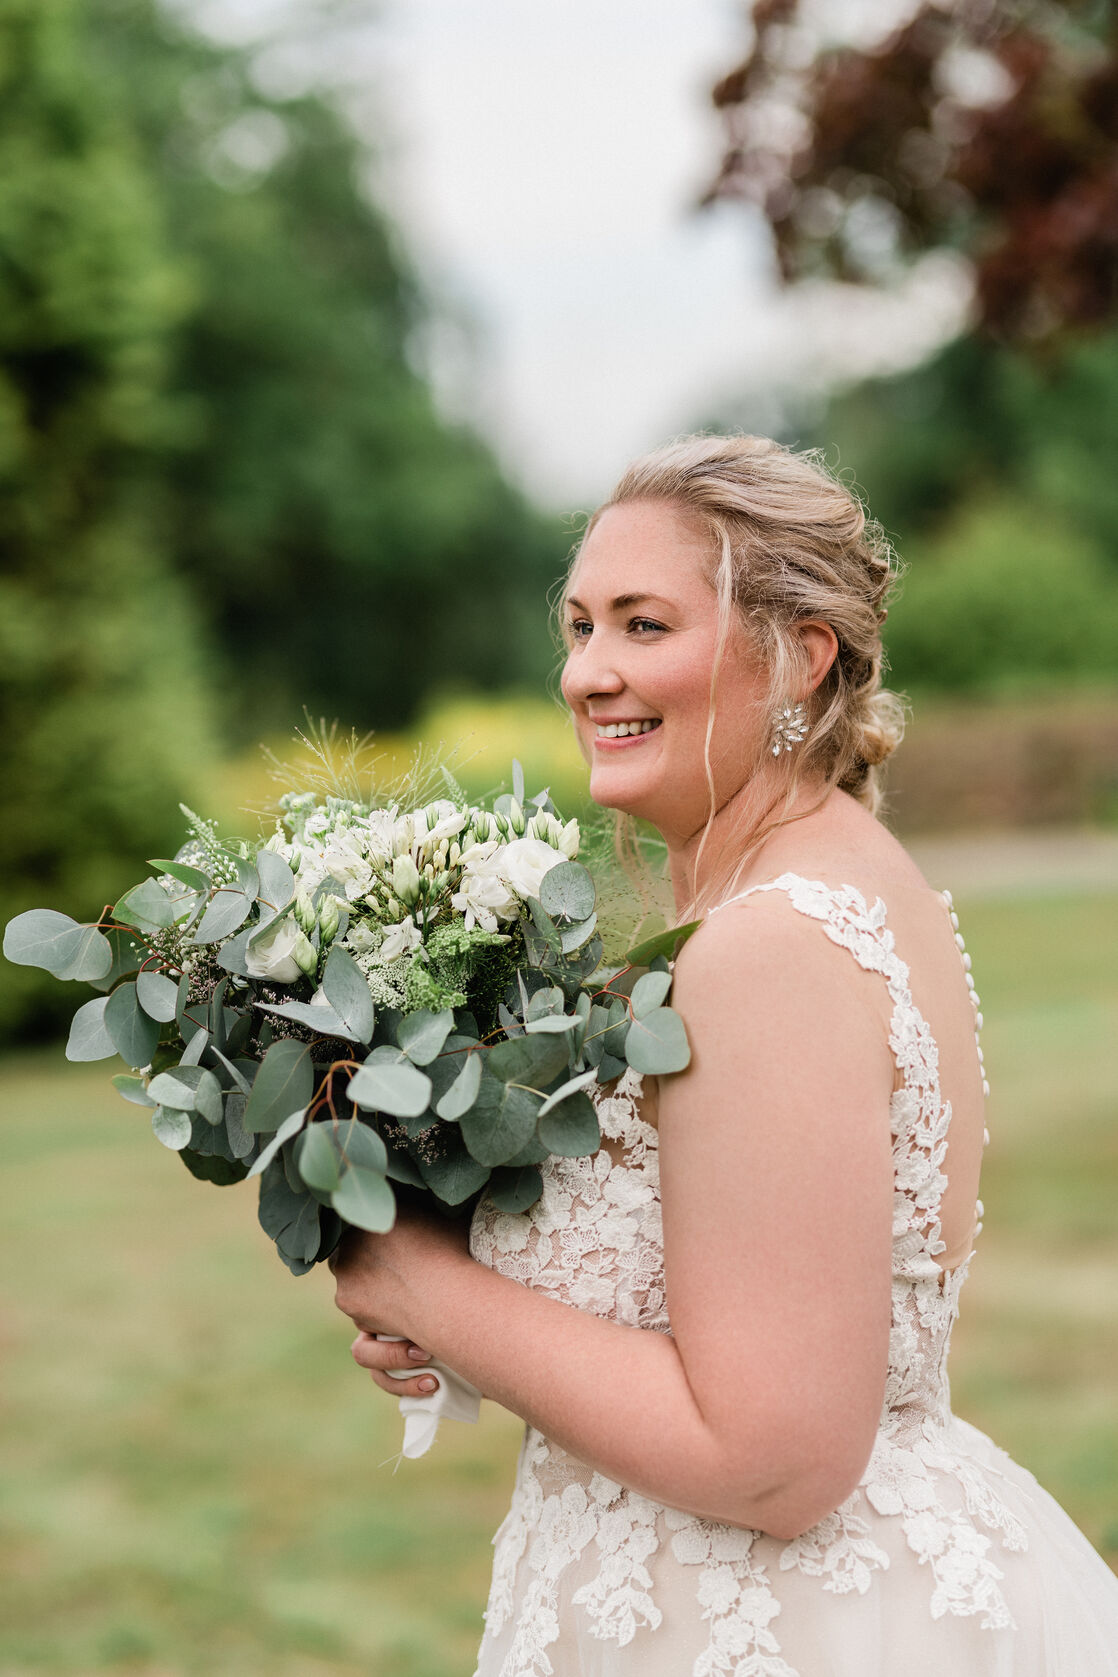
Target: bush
[1005,598]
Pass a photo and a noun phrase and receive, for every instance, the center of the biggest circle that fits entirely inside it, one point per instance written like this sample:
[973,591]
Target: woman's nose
[590,670]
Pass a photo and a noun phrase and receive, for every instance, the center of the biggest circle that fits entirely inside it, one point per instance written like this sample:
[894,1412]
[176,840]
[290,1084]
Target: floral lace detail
[594,1240]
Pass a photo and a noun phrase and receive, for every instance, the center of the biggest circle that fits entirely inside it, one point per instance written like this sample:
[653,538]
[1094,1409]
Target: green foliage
[1004,596]
[240,1083]
[351,546]
[102,678]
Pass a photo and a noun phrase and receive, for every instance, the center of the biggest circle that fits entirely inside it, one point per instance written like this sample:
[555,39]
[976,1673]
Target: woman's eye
[644,623]
[579,628]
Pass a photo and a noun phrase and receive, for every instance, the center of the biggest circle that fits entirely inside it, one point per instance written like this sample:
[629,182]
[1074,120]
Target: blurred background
[322,326]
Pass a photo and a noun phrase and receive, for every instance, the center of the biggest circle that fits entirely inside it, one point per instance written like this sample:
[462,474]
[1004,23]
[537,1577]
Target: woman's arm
[777,1195]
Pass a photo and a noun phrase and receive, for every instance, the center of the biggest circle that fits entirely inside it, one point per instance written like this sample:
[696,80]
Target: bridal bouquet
[375,996]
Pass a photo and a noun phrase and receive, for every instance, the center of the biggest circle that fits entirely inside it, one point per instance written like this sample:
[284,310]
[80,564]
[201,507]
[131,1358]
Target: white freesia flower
[398,940]
[279,954]
[524,862]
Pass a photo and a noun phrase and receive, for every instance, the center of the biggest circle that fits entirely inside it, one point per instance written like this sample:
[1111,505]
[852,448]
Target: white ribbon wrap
[454,1399]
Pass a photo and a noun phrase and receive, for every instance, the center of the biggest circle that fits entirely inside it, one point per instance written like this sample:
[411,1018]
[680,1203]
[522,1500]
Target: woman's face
[642,626]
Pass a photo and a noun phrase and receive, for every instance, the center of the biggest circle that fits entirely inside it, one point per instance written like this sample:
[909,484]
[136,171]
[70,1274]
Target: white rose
[398,940]
[524,862]
[278,954]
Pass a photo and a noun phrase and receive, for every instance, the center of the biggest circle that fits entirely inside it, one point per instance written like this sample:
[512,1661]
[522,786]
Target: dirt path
[1012,862]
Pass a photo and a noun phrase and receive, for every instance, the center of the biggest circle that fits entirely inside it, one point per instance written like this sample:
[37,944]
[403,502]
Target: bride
[727,1331]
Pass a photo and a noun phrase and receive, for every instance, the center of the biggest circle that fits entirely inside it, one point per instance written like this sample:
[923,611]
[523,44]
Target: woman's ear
[820,646]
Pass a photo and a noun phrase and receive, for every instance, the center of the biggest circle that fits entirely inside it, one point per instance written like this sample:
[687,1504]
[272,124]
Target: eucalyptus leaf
[290,1126]
[183,872]
[134,1035]
[298,1243]
[171,1127]
[157,995]
[44,938]
[495,1133]
[317,1158]
[648,993]
[231,955]
[574,937]
[88,1039]
[235,1073]
[567,892]
[399,1089]
[177,1087]
[276,882]
[658,1043]
[453,1175]
[195,1048]
[210,1168]
[462,1092]
[361,1145]
[314,1015]
[226,910]
[280,1204]
[402,1168]
[514,1189]
[422,1034]
[570,1128]
[147,906]
[553,1024]
[124,958]
[347,991]
[666,943]
[582,1081]
[133,1089]
[530,1060]
[610,1068]
[365,1199]
[285,1081]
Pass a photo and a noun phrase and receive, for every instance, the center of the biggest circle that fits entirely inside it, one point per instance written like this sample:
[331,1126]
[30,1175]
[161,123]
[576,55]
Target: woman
[774,1484]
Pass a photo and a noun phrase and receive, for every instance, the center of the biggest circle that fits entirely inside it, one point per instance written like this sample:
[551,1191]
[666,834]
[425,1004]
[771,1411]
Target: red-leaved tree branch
[982,126]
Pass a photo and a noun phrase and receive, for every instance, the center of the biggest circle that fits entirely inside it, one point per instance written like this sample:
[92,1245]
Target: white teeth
[621,730]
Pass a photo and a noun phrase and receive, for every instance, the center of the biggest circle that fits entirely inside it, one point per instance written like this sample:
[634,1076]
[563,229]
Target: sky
[544,162]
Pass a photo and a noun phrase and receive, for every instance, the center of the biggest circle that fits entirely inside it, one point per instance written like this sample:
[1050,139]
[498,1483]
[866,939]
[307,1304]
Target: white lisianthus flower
[378,829]
[360,939]
[524,862]
[345,864]
[283,954]
[483,893]
[398,940]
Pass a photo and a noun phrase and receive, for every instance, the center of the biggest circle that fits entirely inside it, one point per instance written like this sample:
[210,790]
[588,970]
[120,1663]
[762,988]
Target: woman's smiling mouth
[611,735]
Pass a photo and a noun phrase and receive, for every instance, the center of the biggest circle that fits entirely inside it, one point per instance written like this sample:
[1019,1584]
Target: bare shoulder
[763,956]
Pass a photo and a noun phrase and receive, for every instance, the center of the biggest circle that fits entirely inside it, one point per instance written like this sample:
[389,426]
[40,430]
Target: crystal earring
[789,728]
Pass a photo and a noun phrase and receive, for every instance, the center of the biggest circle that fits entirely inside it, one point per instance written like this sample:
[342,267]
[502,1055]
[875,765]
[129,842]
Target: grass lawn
[196,1480]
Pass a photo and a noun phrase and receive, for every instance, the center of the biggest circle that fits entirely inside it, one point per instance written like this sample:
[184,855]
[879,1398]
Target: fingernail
[427,1384]
[418,1356]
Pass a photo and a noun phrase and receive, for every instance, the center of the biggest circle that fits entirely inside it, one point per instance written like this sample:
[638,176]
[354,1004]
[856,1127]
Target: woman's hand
[379,1355]
[381,1279]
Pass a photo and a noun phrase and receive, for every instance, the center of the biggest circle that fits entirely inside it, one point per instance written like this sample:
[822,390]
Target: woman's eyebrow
[622,602]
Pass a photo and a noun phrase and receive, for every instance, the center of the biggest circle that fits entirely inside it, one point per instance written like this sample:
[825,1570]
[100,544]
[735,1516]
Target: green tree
[351,547]
[102,684]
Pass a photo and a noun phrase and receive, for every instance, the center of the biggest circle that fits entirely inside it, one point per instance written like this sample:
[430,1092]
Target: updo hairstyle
[790,542]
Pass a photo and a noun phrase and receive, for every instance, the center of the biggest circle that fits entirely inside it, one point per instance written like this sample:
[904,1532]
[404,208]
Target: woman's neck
[719,858]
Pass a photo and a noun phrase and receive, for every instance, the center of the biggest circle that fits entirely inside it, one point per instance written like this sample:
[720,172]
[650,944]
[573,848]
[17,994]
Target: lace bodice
[594,1240]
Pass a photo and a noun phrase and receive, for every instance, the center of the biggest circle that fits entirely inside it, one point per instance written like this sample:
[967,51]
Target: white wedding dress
[948,1560]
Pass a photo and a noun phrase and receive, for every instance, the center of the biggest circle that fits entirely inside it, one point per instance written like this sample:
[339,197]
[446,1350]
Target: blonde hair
[789,543]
